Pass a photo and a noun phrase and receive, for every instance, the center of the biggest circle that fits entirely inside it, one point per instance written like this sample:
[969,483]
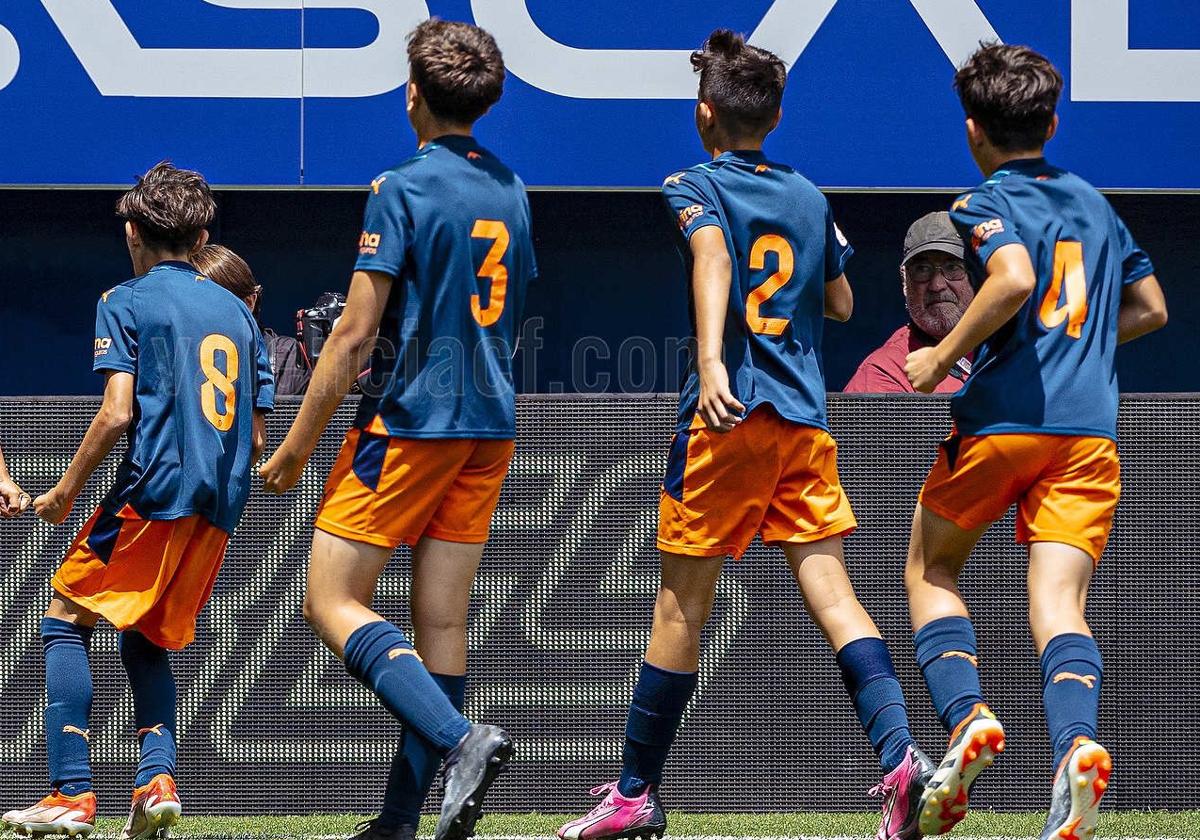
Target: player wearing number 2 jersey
[752,452]
[187,377]
[443,263]
[1035,425]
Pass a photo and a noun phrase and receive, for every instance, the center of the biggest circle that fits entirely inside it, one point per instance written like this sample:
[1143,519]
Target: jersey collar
[746,155]
[180,264]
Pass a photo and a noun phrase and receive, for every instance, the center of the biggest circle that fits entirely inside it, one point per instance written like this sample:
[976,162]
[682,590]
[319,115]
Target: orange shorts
[769,476]
[1066,488]
[386,490]
[149,574]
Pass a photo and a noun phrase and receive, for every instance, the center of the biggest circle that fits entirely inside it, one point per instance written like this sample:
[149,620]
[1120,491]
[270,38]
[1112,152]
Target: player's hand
[281,472]
[13,500]
[925,369]
[53,507]
[718,408]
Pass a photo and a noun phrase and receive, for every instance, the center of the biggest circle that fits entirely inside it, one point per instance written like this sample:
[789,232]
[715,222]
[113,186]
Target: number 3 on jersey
[216,379]
[492,269]
[769,244]
[1069,272]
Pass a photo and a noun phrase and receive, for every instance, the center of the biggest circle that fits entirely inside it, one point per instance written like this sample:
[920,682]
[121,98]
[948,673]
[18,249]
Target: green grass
[1148,824]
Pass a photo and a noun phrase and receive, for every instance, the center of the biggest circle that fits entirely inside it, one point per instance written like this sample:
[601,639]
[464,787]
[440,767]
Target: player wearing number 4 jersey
[752,452]
[444,261]
[1035,425]
[187,377]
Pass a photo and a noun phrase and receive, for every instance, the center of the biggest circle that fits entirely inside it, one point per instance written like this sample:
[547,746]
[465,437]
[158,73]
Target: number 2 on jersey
[1069,272]
[491,269]
[769,244]
[218,380]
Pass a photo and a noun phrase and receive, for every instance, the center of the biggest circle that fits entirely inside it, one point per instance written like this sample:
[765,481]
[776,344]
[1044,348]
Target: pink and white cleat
[619,818]
[901,790]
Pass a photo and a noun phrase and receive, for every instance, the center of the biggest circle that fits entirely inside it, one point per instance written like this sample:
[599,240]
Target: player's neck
[145,259]
[437,128]
[736,144]
[996,159]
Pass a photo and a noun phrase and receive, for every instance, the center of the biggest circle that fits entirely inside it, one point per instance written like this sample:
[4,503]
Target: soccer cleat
[372,830]
[974,745]
[154,809]
[636,817]
[1079,786]
[901,791]
[74,816]
[471,767]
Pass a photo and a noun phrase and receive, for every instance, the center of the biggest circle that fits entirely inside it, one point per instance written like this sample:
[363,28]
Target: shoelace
[881,789]
[604,789]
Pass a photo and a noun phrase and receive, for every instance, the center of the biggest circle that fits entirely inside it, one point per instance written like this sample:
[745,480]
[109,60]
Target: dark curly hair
[457,67]
[170,206]
[743,84]
[1011,92]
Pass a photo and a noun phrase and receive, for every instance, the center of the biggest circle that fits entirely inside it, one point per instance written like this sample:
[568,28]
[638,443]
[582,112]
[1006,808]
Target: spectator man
[937,290]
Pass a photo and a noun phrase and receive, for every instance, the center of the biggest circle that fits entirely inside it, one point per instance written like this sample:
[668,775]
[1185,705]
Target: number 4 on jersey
[1068,271]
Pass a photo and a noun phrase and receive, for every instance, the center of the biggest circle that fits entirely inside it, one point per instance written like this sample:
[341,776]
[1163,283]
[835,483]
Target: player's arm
[342,358]
[258,440]
[110,422]
[839,299]
[1010,281]
[712,274]
[13,500]
[1143,309]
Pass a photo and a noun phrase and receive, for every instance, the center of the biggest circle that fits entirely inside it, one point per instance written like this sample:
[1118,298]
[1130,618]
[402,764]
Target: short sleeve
[691,203]
[116,346]
[1135,263]
[264,376]
[837,248]
[984,224]
[386,227]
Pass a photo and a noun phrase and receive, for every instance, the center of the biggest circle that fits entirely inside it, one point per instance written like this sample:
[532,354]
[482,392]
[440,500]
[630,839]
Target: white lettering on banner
[1105,69]
[10,57]
[119,66]
[958,26]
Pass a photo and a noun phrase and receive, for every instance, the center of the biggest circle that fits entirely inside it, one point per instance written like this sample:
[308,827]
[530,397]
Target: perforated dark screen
[561,614]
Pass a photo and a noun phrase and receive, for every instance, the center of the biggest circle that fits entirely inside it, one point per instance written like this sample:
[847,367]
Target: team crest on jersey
[961,203]
[368,243]
[985,231]
[689,214]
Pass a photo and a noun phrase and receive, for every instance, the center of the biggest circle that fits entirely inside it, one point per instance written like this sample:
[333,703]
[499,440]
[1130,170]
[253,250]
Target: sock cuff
[670,688]
[453,686]
[368,643]
[942,636]
[55,630]
[864,661]
[1067,648]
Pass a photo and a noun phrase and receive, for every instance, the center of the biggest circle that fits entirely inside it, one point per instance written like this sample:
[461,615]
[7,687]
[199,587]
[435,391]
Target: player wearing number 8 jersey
[1035,425]
[752,452]
[187,377]
[443,264]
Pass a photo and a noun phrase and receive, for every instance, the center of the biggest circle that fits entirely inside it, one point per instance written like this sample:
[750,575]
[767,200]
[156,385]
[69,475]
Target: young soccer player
[185,376]
[1035,425]
[13,500]
[752,453]
[444,261]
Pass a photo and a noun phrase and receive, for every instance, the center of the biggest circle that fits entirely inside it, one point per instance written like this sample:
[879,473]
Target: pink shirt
[882,372]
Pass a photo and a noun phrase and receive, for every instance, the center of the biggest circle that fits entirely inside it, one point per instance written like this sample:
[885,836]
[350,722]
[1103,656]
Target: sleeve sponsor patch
[689,214]
[985,231]
[368,243]
[102,347]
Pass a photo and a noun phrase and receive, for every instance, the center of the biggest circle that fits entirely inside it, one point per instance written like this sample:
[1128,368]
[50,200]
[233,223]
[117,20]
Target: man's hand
[925,369]
[282,470]
[718,408]
[13,500]
[54,506]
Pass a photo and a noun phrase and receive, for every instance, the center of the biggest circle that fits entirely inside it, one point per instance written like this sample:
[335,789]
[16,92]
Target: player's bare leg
[631,807]
[341,584]
[1059,576]
[820,571]
[938,551]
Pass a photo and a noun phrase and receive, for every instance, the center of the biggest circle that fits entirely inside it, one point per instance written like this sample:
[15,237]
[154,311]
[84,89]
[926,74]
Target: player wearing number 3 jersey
[187,378]
[444,260]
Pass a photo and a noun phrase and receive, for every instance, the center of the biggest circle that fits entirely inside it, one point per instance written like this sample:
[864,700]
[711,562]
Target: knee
[682,616]
[314,610]
[441,625]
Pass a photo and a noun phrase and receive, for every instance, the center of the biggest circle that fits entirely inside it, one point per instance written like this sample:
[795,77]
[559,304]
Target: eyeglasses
[922,272]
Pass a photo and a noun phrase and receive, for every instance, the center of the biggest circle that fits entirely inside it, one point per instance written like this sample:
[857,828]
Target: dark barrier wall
[561,614]
[606,315]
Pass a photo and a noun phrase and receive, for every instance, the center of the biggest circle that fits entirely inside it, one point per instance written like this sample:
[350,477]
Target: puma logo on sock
[395,652]
[85,734]
[1089,680]
[959,654]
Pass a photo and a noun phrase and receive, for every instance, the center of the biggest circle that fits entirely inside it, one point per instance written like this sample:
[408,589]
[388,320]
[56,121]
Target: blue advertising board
[600,92]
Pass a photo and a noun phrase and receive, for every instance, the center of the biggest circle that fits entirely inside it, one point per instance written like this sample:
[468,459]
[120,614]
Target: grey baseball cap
[933,232]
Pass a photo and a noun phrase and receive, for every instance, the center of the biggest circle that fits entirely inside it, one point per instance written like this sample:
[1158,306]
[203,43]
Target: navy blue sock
[69,687]
[415,765]
[659,699]
[1072,671]
[383,659]
[871,682]
[153,686]
[946,653]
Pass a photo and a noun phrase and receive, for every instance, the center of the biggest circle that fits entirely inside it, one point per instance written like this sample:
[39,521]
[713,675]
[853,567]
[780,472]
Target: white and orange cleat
[73,816]
[154,809]
[1079,786]
[974,745]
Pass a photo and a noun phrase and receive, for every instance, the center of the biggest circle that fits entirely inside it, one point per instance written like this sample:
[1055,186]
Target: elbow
[841,313]
[116,419]
[1157,317]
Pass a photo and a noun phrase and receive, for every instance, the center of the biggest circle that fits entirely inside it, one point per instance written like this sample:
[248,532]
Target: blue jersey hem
[1018,429]
[467,434]
[823,425]
[171,515]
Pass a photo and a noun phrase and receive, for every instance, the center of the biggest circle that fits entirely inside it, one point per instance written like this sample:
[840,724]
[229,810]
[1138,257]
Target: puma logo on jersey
[377,183]
[85,734]
[961,654]
[474,156]
[673,179]
[961,204]
[1089,679]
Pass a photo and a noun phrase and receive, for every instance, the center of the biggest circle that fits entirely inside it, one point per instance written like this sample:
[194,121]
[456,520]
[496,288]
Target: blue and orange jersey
[200,370]
[451,225]
[1052,368]
[785,247]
